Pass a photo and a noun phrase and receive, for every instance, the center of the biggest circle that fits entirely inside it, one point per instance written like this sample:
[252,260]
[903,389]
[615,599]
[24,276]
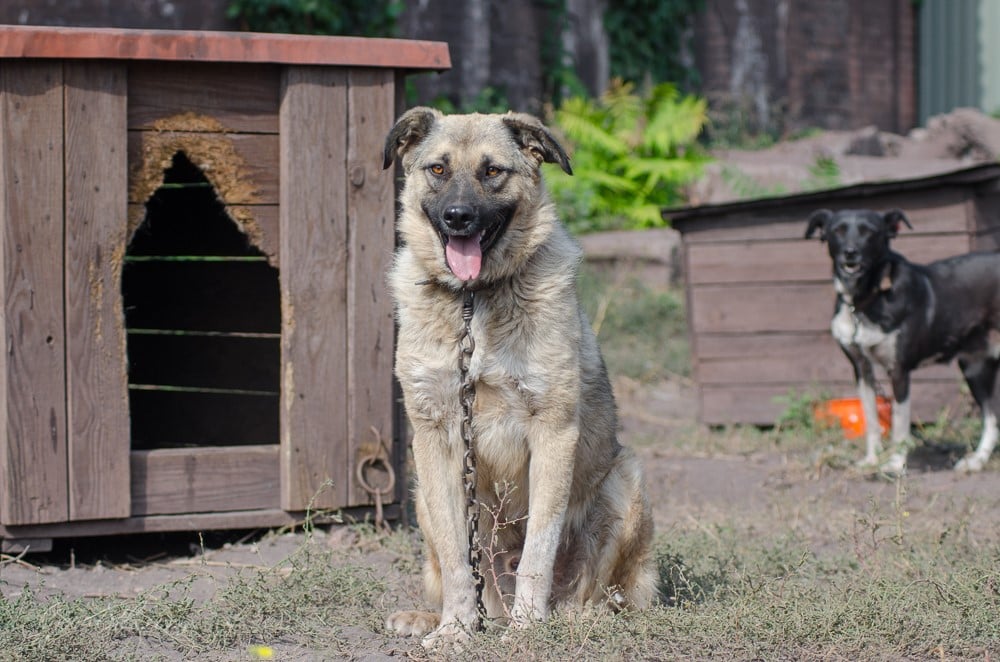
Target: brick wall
[835,64]
[158,14]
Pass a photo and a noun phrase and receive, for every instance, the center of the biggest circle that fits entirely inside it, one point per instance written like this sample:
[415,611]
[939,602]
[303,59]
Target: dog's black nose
[459,217]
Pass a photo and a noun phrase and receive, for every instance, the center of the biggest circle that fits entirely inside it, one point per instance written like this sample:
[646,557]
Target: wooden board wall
[314,255]
[371,212]
[760,299]
[224,117]
[63,398]
[96,366]
[336,227]
[33,460]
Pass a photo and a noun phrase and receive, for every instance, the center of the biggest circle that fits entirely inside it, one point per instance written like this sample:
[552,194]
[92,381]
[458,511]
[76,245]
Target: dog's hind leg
[982,379]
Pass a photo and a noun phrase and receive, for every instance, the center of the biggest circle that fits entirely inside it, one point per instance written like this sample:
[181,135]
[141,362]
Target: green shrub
[632,155]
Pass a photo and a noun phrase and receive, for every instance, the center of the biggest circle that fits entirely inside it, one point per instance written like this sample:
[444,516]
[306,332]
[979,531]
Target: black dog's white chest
[853,330]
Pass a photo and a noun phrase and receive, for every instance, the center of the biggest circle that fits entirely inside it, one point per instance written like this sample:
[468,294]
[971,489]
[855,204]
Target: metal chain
[467,396]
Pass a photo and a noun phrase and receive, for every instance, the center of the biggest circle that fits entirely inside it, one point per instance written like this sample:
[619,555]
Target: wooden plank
[174,419]
[241,166]
[239,98]
[202,296]
[237,519]
[314,236]
[932,211]
[24,41]
[96,366]
[226,362]
[797,260]
[204,480]
[761,405]
[780,358]
[33,457]
[371,211]
[752,309]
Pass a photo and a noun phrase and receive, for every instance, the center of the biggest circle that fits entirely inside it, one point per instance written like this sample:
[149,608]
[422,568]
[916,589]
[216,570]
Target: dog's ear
[531,135]
[818,219]
[411,127]
[893,218]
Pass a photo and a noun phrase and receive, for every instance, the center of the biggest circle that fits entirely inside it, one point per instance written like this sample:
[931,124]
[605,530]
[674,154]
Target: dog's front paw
[523,615]
[450,637]
[894,467]
[412,623]
[970,464]
[867,463]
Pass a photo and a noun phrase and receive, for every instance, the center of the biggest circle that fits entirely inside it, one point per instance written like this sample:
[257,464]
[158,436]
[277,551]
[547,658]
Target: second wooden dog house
[194,229]
[760,297]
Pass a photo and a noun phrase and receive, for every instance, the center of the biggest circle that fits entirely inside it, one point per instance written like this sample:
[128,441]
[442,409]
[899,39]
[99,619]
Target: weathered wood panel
[267,518]
[204,480]
[798,260]
[33,457]
[752,309]
[239,97]
[930,211]
[241,166]
[986,214]
[371,210]
[760,404]
[782,358]
[260,224]
[314,255]
[96,366]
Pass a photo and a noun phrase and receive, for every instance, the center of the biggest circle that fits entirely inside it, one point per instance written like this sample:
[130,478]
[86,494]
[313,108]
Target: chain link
[467,397]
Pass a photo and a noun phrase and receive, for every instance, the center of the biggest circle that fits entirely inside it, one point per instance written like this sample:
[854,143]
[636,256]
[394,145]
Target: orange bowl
[847,413]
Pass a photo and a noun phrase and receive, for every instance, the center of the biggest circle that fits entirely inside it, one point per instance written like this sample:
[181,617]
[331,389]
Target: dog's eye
[437,169]
[493,171]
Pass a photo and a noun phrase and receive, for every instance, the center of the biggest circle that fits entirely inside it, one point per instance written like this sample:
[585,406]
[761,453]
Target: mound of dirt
[958,139]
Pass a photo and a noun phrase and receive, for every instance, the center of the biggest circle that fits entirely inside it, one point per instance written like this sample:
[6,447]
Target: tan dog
[562,503]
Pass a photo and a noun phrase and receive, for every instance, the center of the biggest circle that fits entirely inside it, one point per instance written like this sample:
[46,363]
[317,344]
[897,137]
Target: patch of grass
[306,597]
[731,594]
[889,588]
[824,173]
[641,328]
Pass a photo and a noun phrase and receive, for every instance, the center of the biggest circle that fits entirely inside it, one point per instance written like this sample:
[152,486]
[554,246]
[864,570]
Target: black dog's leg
[864,376]
[896,464]
[981,375]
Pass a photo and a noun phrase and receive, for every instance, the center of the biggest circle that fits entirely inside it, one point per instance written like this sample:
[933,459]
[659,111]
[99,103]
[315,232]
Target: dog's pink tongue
[464,256]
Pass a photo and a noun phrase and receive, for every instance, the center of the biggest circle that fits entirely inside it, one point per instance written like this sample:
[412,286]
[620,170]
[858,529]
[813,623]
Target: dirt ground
[961,138]
[772,493]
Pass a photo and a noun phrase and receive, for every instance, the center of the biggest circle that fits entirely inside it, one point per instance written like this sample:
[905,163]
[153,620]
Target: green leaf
[632,155]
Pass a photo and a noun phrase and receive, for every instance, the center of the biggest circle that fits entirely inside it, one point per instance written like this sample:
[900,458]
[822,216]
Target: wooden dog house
[760,297]
[195,228]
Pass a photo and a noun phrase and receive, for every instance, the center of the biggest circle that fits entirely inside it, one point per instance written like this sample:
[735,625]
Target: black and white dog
[903,315]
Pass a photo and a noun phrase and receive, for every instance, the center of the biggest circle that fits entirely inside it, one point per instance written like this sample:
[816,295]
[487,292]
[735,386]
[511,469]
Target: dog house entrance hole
[203,322]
